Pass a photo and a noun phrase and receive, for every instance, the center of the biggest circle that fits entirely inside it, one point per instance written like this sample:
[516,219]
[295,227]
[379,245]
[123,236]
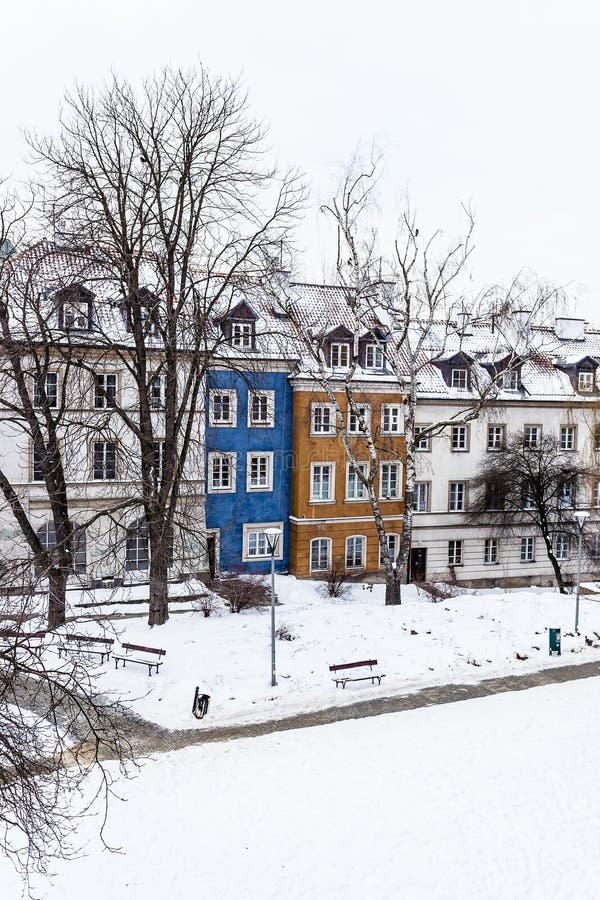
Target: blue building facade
[248,466]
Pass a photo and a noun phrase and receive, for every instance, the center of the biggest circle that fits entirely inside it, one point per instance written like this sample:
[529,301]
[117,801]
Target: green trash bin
[554,638]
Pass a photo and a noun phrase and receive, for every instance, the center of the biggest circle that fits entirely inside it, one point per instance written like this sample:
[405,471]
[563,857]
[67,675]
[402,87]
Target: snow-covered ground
[491,798]
[472,636]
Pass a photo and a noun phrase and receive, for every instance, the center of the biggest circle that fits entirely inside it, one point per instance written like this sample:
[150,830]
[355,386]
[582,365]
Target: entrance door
[418,564]
[211,552]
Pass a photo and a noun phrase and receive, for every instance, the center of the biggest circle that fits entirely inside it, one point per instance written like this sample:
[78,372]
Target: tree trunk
[393,587]
[57,592]
[403,561]
[555,565]
[158,611]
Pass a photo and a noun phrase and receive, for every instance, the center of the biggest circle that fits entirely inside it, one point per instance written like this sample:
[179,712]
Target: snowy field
[472,636]
[490,798]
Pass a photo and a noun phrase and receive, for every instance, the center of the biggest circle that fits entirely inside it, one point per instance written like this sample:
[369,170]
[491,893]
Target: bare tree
[531,482]
[414,315]
[168,185]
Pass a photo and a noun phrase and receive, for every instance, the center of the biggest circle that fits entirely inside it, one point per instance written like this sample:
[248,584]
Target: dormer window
[75,308]
[340,356]
[242,334]
[459,379]
[147,308]
[510,380]
[374,358]
[585,381]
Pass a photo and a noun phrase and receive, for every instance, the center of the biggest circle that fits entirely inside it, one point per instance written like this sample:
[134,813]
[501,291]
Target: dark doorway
[211,552]
[418,564]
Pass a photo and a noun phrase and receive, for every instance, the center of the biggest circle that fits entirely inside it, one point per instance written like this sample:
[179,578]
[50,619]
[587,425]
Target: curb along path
[147,738]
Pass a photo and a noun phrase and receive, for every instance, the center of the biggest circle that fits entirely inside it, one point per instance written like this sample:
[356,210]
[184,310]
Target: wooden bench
[143,661]
[31,641]
[362,664]
[83,643]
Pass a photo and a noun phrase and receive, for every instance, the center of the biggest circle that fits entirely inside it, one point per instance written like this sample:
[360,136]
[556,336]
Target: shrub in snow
[283,633]
[336,586]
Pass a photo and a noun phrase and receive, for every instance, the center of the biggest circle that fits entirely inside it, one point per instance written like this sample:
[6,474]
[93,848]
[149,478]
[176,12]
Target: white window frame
[378,357]
[527,442]
[426,486]
[358,485]
[568,437]
[259,488]
[321,541]
[426,440]
[354,565]
[339,349]
[260,528]
[158,453]
[562,546]
[455,552]
[566,495]
[157,391]
[269,398]
[100,400]
[596,494]
[392,412]
[387,464]
[222,423]
[354,422]
[491,551]
[459,496]
[459,438]
[319,431]
[495,438]
[105,444]
[527,549]
[459,379]
[211,488]
[37,395]
[331,481]
[595,546]
[585,381]
[242,334]
[392,538]
[510,380]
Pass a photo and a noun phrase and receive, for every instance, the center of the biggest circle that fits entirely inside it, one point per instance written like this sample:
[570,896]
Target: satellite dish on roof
[7,248]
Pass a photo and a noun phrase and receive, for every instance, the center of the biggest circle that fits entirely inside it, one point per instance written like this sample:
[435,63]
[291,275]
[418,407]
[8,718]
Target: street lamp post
[580,516]
[273,535]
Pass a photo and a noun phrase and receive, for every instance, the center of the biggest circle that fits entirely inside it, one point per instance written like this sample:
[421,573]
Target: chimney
[568,329]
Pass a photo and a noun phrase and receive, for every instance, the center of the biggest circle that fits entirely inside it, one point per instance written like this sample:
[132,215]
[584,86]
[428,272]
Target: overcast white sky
[495,104]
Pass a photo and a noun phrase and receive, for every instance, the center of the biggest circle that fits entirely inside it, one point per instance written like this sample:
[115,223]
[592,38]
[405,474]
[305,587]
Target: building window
[568,437]
[37,468]
[322,482]
[459,438]
[456,502]
[320,555]
[495,437]
[222,408]
[528,549]
[322,418]
[105,460]
[510,381]
[374,358]
[565,495]
[561,546]
[421,500]
[158,452]
[261,409]
[355,489]
[354,419]
[422,443]
[585,381]
[490,551]
[46,386]
[596,500]
[391,480]
[47,538]
[459,379]
[221,472]
[242,334]
[595,546]
[259,472]
[257,544]
[137,554]
[355,552]
[596,437]
[75,308]
[393,546]
[340,356]
[455,553]
[158,391]
[531,436]
[391,418]
[105,390]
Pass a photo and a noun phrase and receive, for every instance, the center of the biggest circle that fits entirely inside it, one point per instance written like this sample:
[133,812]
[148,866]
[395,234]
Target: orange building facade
[331,522]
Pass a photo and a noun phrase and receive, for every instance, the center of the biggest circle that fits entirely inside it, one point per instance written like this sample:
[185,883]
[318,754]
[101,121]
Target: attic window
[242,334]
[585,381]
[374,356]
[340,356]
[75,308]
[459,379]
[510,380]
[147,308]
